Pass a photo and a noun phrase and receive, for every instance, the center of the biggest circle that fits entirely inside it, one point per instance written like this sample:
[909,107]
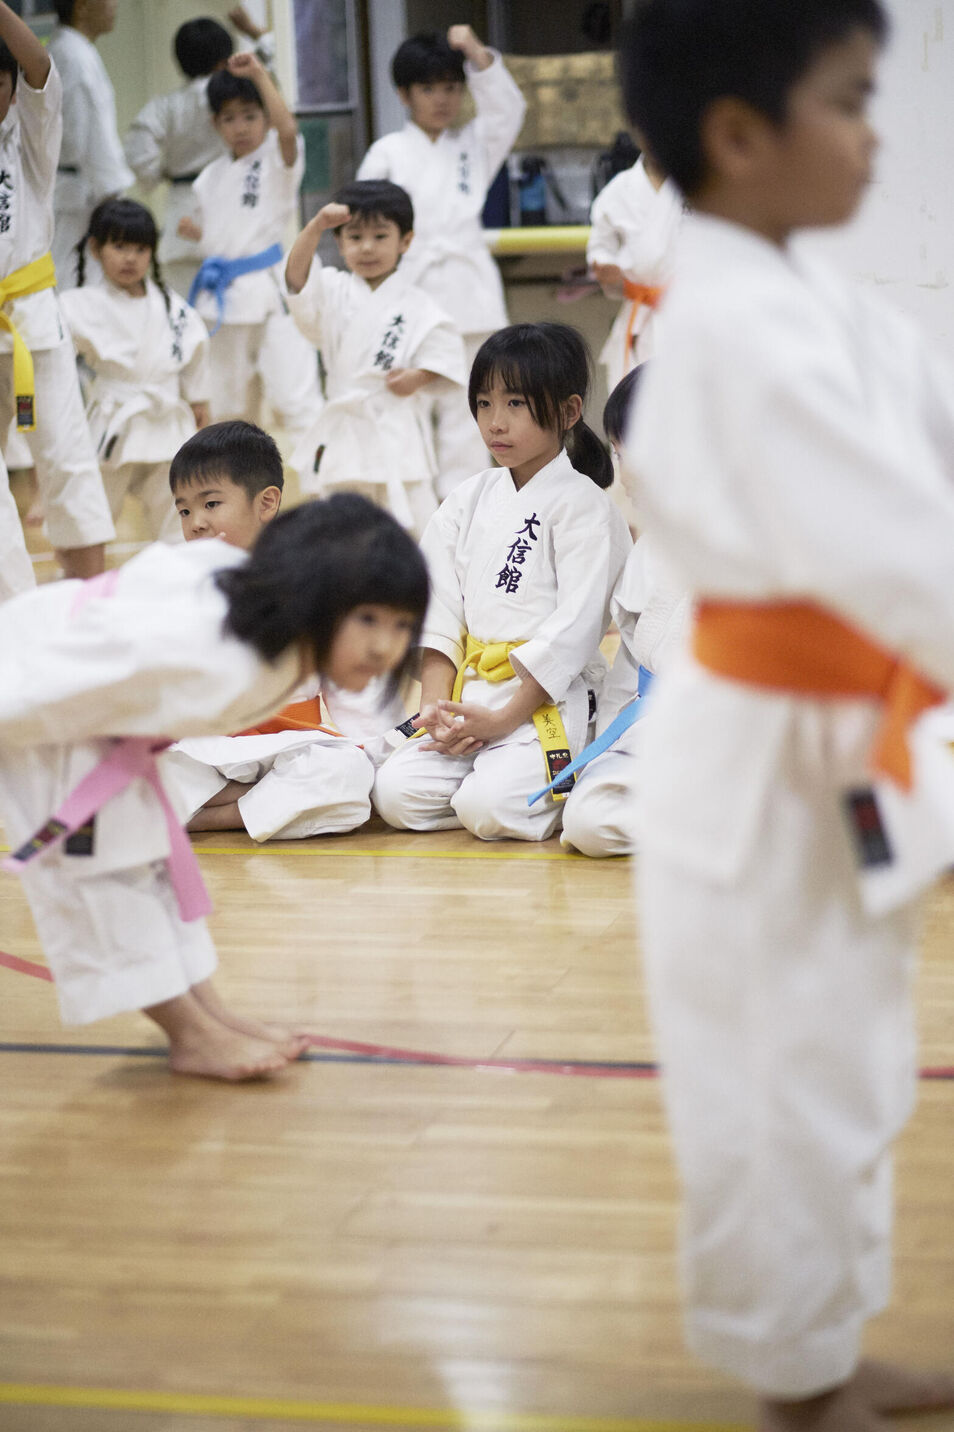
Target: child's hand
[473,723]
[402,382]
[462,37]
[608,276]
[444,733]
[200,411]
[244,23]
[332,216]
[246,64]
[188,229]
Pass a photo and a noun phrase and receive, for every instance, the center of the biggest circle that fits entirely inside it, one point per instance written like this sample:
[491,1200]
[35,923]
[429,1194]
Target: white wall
[902,243]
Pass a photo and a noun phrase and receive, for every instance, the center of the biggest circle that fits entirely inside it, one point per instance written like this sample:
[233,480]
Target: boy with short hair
[39,388]
[792,446]
[386,347]
[244,202]
[287,779]
[447,172]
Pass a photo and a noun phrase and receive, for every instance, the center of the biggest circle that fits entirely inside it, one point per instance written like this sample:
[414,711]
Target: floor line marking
[380,852]
[276,1409]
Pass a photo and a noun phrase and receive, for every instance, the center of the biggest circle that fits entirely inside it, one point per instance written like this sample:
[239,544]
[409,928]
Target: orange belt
[798,647]
[299,716]
[642,295]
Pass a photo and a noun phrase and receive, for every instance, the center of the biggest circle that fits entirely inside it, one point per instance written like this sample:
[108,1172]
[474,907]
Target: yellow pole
[547,239]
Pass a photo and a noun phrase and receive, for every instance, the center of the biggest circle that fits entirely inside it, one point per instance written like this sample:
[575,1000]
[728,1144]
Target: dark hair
[547,363]
[9,65]
[121,221]
[200,45]
[239,451]
[378,199]
[424,58]
[64,11]
[311,566]
[619,405]
[223,86]
[679,56]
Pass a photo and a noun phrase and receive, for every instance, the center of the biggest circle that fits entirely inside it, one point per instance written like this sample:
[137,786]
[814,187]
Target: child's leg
[203,1044]
[16,569]
[288,366]
[77,513]
[598,813]
[784,1024]
[233,386]
[322,788]
[492,801]
[414,789]
[149,481]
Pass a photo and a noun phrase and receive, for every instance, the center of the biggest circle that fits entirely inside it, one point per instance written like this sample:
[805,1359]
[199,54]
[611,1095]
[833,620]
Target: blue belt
[627,717]
[217,273]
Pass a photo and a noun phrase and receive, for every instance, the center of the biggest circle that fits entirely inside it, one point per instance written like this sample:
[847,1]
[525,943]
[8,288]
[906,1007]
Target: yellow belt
[491,661]
[31,278]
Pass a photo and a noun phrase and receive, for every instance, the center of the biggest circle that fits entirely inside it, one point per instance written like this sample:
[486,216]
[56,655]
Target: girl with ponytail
[149,353]
[523,558]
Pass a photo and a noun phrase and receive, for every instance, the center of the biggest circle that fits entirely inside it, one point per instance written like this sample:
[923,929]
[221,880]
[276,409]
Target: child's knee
[492,813]
[594,829]
[393,795]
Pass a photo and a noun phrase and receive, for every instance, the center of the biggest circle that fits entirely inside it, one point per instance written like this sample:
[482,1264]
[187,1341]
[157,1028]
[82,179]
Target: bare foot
[200,1044]
[292,1043]
[840,1411]
[895,1390]
[36,516]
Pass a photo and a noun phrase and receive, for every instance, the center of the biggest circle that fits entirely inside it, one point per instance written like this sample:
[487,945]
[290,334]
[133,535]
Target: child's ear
[269,501]
[404,95]
[405,243]
[571,411]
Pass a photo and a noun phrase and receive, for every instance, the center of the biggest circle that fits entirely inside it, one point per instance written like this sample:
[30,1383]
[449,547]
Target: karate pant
[485,793]
[414,513]
[598,813]
[114,940]
[16,569]
[270,364]
[67,473]
[460,448]
[784,1022]
[297,786]
[148,482]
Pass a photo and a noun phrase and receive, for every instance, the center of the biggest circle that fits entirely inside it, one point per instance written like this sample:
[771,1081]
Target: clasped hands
[456,729]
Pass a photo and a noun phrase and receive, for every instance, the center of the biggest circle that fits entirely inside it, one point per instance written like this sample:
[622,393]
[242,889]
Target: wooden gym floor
[374,1242]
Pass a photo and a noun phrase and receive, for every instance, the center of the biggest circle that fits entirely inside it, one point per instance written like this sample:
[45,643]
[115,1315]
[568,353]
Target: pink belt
[130,758]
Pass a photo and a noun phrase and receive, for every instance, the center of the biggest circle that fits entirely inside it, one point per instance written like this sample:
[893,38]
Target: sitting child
[181,641]
[386,348]
[289,778]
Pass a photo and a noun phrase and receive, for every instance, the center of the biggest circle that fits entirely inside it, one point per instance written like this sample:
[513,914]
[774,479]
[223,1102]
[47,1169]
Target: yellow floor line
[272,1409]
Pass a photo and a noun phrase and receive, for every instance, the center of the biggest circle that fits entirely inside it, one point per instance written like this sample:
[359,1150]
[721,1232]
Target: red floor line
[25,967]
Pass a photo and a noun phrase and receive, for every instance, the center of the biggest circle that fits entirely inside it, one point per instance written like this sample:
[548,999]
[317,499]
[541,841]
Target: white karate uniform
[77,513]
[792,442]
[635,226]
[173,138]
[151,659]
[651,612]
[91,163]
[242,207]
[509,565]
[150,362]
[365,437]
[16,569]
[447,180]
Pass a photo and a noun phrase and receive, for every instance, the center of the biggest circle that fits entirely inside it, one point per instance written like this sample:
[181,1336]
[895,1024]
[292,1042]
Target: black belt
[183,178]
[66,169]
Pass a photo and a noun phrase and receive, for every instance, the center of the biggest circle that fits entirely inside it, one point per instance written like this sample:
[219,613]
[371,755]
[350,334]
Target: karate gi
[448,179]
[91,164]
[651,612]
[792,442]
[150,363]
[77,513]
[151,659]
[634,226]
[365,437]
[510,565]
[173,138]
[242,207]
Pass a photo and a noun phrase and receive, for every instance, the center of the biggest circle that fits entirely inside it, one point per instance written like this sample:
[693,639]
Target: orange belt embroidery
[298,716]
[641,295]
[798,647]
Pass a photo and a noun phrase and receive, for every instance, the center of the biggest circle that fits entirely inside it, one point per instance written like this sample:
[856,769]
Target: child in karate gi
[651,613]
[243,204]
[172,137]
[523,561]
[149,352]
[385,346]
[792,448]
[634,224]
[286,780]
[39,388]
[447,171]
[187,640]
